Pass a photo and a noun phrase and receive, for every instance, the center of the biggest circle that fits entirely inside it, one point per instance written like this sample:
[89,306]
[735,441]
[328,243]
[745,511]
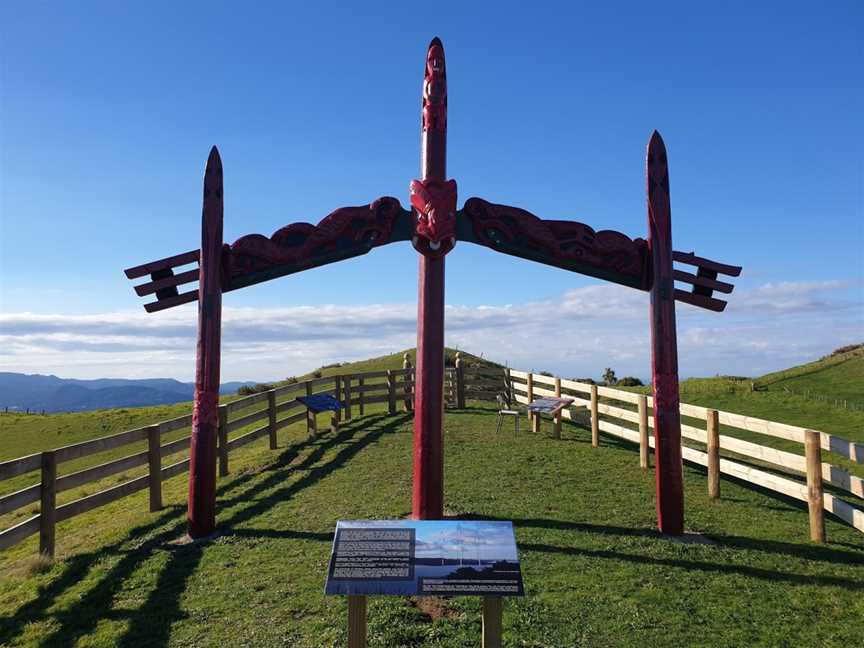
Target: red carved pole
[664,346]
[205,417]
[428,488]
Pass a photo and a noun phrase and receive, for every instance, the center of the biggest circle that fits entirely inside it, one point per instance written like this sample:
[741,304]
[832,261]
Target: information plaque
[549,405]
[320,403]
[424,558]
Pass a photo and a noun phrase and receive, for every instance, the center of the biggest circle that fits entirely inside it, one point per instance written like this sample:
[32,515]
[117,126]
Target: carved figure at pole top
[435,89]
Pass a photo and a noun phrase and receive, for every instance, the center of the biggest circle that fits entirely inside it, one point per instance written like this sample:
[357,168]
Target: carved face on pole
[435,208]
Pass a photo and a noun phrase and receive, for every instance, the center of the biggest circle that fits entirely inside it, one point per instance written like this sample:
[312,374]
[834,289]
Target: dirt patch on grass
[434,607]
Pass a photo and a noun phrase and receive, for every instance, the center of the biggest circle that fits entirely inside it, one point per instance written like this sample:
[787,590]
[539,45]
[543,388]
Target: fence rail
[356,391]
[810,465]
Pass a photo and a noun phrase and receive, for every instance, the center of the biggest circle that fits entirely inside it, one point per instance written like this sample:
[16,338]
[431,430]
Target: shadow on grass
[162,606]
[150,623]
[808,552]
[719,568]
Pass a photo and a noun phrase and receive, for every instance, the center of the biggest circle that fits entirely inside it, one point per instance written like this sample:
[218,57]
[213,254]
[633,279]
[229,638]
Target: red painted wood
[162,264]
[428,487]
[664,345]
[708,264]
[170,281]
[701,301]
[707,282]
[205,415]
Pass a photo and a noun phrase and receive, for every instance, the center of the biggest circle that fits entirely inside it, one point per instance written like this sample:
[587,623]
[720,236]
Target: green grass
[838,377]
[22,434]
[595,571]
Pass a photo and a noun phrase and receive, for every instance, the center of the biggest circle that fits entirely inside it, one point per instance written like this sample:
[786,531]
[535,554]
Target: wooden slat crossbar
[163,282]
[704,282]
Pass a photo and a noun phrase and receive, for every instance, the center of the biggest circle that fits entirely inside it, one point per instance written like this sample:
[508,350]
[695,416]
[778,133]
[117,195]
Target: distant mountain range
[21,392]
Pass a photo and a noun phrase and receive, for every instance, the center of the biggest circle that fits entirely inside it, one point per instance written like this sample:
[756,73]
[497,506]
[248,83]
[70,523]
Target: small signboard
[424,558]
[549,405]
[320,403]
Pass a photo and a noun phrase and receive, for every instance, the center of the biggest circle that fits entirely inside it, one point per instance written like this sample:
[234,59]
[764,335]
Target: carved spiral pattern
[512,229]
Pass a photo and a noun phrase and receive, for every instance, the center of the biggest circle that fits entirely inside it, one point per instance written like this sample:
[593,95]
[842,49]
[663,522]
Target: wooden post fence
[346,385]
[460,382]
[336,418]
[223,440]
[154,463]
[391,392]
[530,391]
[311,422]
[644,449]
[712,418]
[815,503]
[595,418]
[556,425]
[153,457]
[360,382]
[271,418]
[48,504]
[408,379]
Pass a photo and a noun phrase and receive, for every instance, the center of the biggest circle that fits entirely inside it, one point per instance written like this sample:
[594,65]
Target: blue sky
[109,109]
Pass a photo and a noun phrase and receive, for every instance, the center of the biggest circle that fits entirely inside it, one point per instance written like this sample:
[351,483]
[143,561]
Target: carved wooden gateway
[433,226]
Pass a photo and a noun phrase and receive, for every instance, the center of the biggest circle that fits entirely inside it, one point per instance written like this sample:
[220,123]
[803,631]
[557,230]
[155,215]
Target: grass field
[596,573]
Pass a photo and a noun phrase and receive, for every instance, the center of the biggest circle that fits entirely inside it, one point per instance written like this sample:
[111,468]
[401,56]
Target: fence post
[271,418]
[529,390]
[644,455]
[556,425]
[154,461]
[223,440]
[460,382]
[337,415]
[48,504]
[508,388]
[595,418]
[362,396]
[311,421]
[409,377]
[815,503]
[347,389]
[391,392]
[713,429]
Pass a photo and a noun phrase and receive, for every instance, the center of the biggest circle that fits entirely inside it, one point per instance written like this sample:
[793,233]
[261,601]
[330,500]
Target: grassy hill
[596,572]
[837,377]
[789,396]
[22,434]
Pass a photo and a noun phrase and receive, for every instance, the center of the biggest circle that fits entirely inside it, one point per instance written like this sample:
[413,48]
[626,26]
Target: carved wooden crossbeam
[353,231]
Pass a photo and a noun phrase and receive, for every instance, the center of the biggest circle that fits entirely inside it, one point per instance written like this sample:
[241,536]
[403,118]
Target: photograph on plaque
[424,558]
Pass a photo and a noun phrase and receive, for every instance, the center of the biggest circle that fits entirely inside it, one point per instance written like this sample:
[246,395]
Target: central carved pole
[435,203]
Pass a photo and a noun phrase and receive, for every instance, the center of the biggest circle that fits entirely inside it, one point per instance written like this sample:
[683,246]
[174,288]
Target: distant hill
[838,376]
[37,392]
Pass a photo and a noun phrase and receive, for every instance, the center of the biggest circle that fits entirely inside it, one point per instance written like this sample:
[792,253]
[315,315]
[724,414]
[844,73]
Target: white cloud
[585,330]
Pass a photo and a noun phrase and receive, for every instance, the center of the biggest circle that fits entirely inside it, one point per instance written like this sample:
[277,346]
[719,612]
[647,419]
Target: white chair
[503,411]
